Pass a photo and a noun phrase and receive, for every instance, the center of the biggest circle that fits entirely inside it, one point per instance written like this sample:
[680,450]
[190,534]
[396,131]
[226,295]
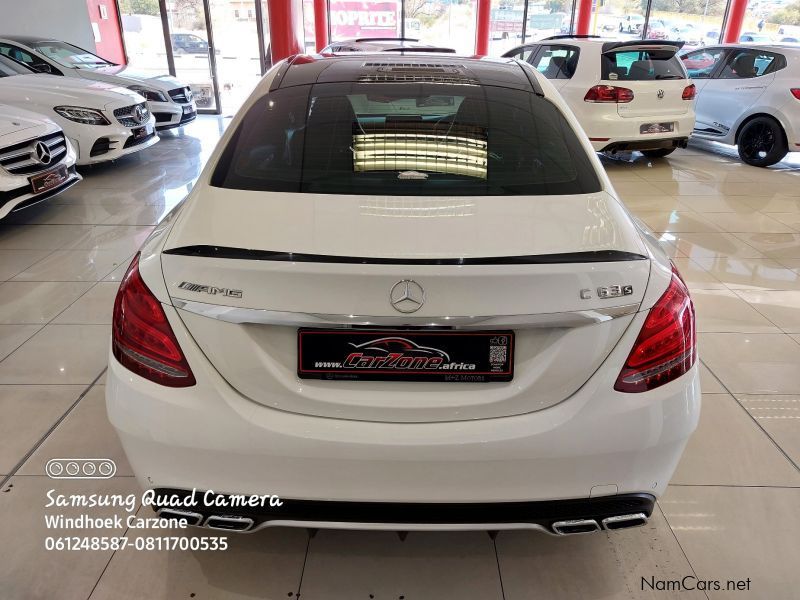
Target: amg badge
[210,289]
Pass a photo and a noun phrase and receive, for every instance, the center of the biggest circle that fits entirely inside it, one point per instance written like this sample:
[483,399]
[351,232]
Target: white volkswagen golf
[629,95]
[403,294]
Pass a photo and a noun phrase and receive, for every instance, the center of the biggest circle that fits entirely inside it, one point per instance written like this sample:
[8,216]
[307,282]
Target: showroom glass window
[443,23]
[696,23]
[398,139]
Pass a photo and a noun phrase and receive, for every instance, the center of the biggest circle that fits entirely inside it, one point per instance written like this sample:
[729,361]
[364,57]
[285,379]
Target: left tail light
[796,93]
[142,339]
[689,92]
[667,344]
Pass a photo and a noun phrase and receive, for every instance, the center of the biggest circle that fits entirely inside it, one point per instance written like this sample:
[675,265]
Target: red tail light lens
[608,93]
[796,93]
[142,339]
[666,347]
[689,92]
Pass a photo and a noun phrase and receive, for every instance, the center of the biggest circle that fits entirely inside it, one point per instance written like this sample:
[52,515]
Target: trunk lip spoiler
[642,45]
[260,316]
[222,252]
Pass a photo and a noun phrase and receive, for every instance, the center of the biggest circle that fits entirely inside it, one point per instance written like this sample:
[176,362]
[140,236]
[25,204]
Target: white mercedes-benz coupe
[171,102]
[103,122]
[36,159]
[403,295]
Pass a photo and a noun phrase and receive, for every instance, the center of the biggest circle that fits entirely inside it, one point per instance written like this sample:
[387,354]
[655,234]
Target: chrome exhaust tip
[576,526]
[229,523]
[191,518]
[625,521]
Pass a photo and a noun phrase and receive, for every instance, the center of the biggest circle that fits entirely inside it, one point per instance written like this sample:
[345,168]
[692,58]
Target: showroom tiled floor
[730,513]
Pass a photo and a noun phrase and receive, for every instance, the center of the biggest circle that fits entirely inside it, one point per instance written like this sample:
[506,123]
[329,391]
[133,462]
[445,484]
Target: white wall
[66,20]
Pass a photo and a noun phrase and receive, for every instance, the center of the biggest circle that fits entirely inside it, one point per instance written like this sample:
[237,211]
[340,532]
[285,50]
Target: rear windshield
[641,66]
[413,139]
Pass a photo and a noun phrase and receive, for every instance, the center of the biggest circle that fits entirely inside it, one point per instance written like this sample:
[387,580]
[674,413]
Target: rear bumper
[612,132]
[598,442]
[667,143]
[204,508]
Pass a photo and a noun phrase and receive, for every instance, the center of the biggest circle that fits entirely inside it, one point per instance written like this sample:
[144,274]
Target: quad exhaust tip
[229,523]
[191,518]
[578,526]
[625,521]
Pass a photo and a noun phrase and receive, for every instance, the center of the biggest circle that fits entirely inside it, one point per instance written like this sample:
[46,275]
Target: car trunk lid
[245,279]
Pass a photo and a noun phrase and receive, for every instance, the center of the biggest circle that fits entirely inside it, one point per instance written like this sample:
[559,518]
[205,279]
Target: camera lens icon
[80,468]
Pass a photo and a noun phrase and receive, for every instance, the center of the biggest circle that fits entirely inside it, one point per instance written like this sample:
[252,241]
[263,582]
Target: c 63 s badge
[611,291]
[210,289]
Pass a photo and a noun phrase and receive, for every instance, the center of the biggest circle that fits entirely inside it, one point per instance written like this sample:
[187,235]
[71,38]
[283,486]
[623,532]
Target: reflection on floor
[730,514]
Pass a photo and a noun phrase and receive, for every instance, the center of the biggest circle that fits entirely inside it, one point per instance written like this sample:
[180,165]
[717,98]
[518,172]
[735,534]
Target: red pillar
[584,10]
[733,26]
[321,23]
[482,28]
[285,28]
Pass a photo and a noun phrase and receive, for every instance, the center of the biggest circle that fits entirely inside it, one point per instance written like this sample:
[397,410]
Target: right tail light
[689,92]
[796,93]
[141,337]
[608,93]
[667,344]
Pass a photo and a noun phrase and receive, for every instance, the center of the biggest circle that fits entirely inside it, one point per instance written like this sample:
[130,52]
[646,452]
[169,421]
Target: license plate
[188,110]
[657,128]
[391,355]
[49,180]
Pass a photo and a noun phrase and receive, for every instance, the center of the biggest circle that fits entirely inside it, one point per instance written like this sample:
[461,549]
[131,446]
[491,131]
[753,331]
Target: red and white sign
[364,19]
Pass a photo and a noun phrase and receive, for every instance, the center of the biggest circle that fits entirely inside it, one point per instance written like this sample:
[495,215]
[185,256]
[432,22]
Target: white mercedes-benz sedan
[403,295]
[171,102]
[102,121]
[36,159]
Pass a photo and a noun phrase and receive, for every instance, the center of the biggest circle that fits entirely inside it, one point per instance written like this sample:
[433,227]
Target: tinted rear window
[641,66]
[405,139]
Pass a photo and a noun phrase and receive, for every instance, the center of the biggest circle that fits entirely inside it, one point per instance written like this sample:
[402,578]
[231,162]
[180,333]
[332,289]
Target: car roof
[383,45]
[401,67]
[27,39]
[772,47]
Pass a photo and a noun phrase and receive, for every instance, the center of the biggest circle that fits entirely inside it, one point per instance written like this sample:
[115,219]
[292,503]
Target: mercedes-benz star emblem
[139,114]
[189,95]
[407,296]
[42,153]
[660,94]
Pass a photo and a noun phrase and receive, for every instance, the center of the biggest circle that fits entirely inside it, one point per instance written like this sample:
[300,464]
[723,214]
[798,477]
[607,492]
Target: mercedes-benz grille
[127,115]
[180,95]
[23,159]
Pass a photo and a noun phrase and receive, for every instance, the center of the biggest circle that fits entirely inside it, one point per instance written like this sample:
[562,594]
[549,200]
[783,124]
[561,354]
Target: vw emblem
[407,296]
[139,113]
[660,94]
[42,153]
